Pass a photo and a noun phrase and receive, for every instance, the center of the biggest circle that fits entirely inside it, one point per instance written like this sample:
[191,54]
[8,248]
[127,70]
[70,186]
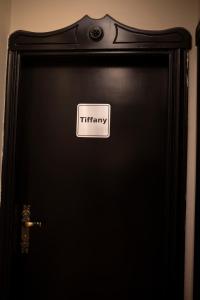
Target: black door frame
[104,36]
[197,206]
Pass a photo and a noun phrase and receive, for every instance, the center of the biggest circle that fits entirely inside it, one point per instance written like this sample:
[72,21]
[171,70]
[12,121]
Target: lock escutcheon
[26,224]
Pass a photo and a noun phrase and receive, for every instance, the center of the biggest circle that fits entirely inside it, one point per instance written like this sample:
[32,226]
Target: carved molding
[113,35]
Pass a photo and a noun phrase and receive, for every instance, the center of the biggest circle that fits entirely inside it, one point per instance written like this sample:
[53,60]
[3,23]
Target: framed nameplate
[93,120]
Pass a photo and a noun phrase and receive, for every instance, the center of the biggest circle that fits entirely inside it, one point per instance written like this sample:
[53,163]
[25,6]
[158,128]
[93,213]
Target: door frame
[104,36]
[197,204]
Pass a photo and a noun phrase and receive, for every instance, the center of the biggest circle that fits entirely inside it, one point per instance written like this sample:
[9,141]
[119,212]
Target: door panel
[101,201]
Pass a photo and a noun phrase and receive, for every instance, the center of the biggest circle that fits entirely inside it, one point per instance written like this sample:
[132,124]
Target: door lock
[26,223]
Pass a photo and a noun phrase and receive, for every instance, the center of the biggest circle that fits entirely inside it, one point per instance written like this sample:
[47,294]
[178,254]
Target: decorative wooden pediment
[104,33]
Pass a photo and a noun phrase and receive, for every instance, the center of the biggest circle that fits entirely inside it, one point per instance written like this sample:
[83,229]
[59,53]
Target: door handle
[26,224]
[29,224]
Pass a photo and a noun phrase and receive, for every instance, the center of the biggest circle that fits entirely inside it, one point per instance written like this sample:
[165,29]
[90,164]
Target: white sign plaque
[93,120]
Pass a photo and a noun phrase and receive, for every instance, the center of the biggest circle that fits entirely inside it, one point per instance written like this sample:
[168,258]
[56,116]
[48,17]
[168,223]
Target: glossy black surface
[103,208]
[113,209]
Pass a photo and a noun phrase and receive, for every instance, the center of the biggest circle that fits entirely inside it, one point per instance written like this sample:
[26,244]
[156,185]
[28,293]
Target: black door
[107,206]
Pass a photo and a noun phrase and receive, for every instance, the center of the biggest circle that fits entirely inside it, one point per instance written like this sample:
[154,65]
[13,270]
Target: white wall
[46,15]
[5,11]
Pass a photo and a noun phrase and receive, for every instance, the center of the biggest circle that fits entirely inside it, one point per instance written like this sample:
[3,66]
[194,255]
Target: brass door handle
[26,224]
[29,224]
